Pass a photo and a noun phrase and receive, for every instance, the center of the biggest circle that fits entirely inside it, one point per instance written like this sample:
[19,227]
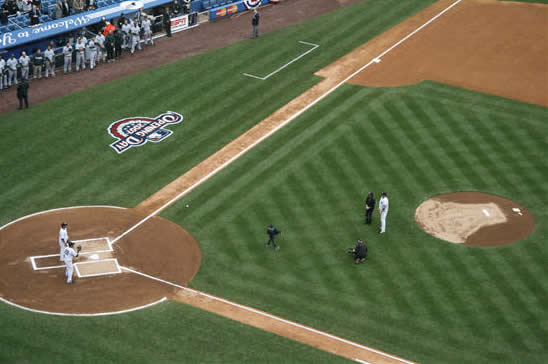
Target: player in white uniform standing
[49,54]
[67,53]
[68,254]
[135,36]
[147,24]
[100,42]
[92,52]
[126,31]
[24,61]
[383,210]
[80,48]
[11,64]
[63,238]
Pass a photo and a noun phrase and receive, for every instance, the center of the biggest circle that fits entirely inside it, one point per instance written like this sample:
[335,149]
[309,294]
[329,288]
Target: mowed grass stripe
[432,296]
[306,137]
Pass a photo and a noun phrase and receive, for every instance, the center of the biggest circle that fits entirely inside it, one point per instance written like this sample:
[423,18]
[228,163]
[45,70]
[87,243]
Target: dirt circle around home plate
[475,218]
[157,247]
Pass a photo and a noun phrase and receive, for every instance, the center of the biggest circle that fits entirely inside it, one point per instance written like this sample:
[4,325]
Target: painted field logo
[136,131]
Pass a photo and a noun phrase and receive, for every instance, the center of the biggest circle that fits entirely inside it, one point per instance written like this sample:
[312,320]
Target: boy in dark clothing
[272,232]
[369,207]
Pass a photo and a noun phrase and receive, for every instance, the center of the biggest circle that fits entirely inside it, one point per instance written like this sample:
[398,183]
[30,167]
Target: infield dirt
[160,248]
[496,47]
[474,218]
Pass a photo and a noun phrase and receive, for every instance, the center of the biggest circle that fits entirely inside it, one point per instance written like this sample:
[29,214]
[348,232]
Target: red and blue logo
[136,131]
[252,4]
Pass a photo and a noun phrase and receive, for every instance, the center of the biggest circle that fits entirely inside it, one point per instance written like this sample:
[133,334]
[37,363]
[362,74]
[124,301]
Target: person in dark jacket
[118,39]
[271,231]
[66,8]
[369,207]
[255,23]
[167,23]
[23,93]
[109,45]
[37,64]
[359,252]
[34,15]
[4,14]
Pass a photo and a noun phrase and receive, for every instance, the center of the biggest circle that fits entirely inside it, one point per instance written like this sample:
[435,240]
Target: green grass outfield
[417,296]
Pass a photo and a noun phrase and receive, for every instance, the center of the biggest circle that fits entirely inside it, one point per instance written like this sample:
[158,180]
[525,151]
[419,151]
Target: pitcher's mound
[475,218]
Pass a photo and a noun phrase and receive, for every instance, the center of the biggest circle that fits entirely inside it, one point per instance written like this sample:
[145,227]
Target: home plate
[94,256]
[486,212]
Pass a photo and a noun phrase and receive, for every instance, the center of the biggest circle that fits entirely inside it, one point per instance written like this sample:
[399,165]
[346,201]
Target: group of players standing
[106,46]
[109,43]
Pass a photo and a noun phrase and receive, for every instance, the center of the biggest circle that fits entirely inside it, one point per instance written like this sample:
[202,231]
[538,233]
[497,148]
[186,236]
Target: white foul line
[287,64]
[279,126]
[262,313]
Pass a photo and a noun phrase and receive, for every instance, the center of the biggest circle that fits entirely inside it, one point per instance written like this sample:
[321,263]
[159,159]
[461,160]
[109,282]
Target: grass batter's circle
[475,218]
[158,247]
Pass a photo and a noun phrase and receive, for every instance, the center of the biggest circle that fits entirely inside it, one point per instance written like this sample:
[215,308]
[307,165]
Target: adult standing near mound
[63,239]
[383,211]
[369,207]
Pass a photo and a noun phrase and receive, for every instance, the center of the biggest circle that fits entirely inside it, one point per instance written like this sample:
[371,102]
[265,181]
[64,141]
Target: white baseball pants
[383,221]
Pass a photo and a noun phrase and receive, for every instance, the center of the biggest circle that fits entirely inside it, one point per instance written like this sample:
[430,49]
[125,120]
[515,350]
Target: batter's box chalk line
[111,263]
[314,46]
[112,268]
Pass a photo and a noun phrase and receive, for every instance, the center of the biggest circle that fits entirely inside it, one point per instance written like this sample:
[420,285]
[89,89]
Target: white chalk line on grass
[83,314]
[281,125]
[58,209]
[277,318]
[314,46]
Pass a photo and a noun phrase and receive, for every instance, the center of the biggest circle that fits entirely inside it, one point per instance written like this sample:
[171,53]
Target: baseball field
[418,98]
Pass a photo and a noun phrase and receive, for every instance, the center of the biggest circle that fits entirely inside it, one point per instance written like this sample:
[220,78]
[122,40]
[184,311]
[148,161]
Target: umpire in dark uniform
[271,231]
[23,93]
[369,207]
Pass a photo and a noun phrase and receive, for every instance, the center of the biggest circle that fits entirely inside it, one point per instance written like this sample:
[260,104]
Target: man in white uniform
[11,64]
[24,61]
[383,210]
[92,52]
[68,254]
[100,42]
[126,31]
[80,48]
[135,36]
[147,24]
[49,54]
[67,53]
[63,238]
